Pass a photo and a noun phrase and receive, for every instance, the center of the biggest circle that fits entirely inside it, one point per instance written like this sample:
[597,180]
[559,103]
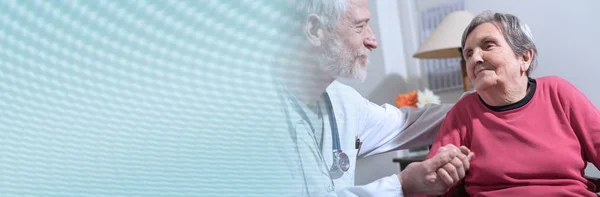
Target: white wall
[567,34]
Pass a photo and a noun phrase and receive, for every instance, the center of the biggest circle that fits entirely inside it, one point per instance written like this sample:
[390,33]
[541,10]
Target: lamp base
[463,67]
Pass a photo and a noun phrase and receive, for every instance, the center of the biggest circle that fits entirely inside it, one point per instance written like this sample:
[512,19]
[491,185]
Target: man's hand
[437,174]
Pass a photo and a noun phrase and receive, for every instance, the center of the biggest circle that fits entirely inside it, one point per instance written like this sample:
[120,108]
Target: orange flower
[407,100]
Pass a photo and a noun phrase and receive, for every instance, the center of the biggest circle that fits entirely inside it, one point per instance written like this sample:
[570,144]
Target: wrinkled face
[490,60]
[346,50]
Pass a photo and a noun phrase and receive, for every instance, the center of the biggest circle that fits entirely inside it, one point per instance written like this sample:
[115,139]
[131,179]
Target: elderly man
[332,124]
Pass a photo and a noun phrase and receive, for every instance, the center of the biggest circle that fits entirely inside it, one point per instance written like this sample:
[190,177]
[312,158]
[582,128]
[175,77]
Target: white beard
[341,63]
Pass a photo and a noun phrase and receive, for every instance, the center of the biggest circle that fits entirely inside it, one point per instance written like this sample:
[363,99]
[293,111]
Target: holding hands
[437,174]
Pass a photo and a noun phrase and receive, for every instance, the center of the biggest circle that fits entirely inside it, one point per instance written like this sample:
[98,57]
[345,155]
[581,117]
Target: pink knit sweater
[537,147]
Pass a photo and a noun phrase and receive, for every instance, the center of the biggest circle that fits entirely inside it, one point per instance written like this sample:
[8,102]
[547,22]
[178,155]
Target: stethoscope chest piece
[341,164]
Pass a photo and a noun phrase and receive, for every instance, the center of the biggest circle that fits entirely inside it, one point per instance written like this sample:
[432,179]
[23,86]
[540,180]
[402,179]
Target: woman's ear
[313,29]
[526,59]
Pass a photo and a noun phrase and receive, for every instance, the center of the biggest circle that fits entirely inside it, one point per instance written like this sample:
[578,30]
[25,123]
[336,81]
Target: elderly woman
[531,137]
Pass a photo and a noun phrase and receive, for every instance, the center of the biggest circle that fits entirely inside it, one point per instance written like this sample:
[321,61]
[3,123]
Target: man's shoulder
[338,88]
[345,98]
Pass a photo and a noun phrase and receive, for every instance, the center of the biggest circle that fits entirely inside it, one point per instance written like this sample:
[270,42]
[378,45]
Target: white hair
[517,34]
[329,11]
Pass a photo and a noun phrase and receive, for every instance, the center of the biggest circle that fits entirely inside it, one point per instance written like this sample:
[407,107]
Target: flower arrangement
[417,99]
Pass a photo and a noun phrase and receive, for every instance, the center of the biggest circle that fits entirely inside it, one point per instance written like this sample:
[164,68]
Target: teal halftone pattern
[142,98]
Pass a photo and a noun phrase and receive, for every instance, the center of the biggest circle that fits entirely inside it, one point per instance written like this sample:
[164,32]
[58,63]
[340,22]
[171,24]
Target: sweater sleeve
[584,118]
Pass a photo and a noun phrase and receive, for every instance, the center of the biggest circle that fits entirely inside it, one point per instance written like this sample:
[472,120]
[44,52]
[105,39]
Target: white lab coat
[380,128]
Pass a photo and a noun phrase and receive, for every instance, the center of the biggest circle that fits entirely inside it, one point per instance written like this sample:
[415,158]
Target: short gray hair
[517,34]
[328,10]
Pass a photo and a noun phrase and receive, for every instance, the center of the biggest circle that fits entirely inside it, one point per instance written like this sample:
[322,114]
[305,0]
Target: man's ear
[526,59]
[313,29]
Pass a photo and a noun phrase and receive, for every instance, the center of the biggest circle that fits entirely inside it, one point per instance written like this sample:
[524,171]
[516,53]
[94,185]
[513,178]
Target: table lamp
[445,41]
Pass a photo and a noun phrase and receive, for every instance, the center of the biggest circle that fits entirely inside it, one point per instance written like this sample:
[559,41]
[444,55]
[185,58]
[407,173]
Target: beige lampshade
[444,42]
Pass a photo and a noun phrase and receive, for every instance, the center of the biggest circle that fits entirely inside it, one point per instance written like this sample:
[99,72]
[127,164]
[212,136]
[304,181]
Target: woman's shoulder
[555,85]
[466,101]
[553,82]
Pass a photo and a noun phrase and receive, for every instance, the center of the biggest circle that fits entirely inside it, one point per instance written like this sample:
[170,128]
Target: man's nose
[370,41]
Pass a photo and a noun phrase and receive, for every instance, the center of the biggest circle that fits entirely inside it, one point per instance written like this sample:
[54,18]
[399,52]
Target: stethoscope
[341,161]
